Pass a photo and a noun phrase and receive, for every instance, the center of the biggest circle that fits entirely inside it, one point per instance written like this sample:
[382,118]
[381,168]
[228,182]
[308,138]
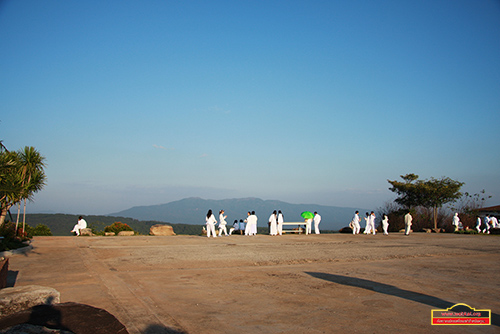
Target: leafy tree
[21,176]
[433,193]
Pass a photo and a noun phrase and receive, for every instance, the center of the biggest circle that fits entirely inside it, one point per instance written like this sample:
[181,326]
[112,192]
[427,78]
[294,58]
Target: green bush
[39,229]
[117,227]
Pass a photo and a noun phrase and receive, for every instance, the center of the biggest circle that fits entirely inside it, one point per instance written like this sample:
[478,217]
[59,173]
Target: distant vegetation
[61,224]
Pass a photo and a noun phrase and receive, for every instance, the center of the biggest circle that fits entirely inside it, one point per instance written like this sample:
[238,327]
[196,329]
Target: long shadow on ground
[393,291]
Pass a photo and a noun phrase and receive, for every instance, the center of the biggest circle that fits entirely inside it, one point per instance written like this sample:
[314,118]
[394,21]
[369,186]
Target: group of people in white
[369,224]
[249,225]
[489,223]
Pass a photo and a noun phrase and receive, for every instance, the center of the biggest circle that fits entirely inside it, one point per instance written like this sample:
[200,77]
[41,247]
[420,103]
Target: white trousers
[385,227]
[356,228]
[221,229]
[316,227]
[407,229]
[211,229]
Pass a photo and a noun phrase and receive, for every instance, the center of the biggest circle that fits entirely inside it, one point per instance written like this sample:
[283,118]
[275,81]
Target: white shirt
[280,218]
[355,219]
[317,218]
[211,220]
[82,223]
[222,219]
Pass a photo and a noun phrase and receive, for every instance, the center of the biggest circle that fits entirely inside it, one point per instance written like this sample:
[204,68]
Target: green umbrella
[307,215]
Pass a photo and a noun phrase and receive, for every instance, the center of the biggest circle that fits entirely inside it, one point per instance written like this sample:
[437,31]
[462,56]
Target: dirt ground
[329,283]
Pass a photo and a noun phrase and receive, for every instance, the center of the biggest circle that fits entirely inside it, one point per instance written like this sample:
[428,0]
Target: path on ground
[262,284]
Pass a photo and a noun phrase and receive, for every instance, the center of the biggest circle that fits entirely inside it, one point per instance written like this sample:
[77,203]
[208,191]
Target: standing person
[210,221]
[385,225]
[367,224]
[372,223]
[248,227]
[308,225]
[456,221]
[273,228]
[222,223]
[317,220]
[81,224]
[408,219]
[487,224]
[254,223]
[355,223]
[281,220]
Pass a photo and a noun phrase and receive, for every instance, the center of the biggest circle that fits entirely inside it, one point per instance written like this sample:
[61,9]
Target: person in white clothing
[478,224]
[81,224]
[408,219]
[385,225]
[368,224]
[210,221]
[355,223]
[372,223]
[317,220]
[254,223]
[280,222]
[273,227]
[222,223]
[494,222]
[308,225]
[456,222]
[486,224]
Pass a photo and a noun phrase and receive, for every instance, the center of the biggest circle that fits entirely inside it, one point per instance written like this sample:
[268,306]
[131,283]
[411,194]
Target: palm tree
[21,176]
[32,174]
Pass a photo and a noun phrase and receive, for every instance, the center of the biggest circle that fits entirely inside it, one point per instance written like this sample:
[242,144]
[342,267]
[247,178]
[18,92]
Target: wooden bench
[299,230]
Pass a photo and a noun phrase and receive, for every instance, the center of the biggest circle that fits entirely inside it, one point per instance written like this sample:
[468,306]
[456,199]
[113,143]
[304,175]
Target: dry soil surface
[329,283]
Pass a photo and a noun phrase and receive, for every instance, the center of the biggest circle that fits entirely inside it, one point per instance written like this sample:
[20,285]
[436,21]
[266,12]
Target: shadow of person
[392,291]
[160,329]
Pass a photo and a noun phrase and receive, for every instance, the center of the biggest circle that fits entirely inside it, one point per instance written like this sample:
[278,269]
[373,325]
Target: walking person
[385,225]
[456,222]
[317,220]
[210,221]
[281,220]
[487,224]
[355,223]
[222,223]
[372,223]
[367,224]
[273,227]
[478,224]
[408,219]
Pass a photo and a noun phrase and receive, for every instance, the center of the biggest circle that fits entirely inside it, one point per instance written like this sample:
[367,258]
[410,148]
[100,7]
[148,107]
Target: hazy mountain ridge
[193,210]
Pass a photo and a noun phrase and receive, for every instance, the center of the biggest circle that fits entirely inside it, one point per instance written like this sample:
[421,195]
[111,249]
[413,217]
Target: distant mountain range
[193,211]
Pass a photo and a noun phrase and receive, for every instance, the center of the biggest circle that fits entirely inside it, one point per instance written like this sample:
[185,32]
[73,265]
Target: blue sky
[146,102]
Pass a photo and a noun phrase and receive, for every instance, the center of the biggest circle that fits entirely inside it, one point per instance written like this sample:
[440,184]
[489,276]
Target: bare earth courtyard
[329,283]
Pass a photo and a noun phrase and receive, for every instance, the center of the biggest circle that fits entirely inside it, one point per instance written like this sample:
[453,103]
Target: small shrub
[117,227]
[10,239]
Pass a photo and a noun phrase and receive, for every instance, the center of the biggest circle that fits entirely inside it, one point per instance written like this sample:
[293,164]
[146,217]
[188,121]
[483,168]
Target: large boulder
[16,299]
[161,229]
[126,233]
[4,271]
[72,317]
[86,231]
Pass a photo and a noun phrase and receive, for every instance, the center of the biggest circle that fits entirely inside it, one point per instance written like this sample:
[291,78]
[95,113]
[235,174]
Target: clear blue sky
[145,102]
